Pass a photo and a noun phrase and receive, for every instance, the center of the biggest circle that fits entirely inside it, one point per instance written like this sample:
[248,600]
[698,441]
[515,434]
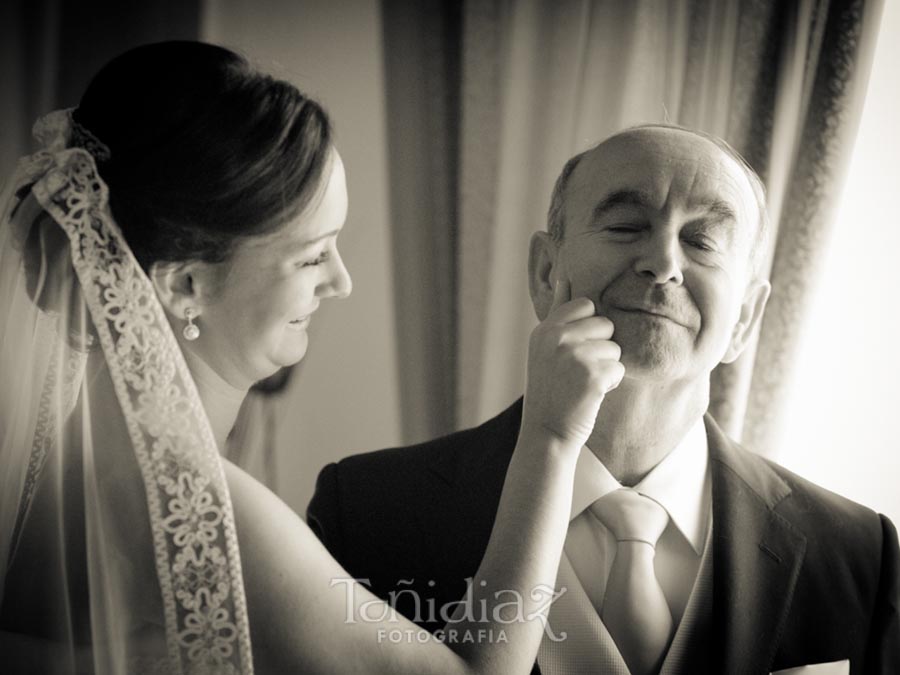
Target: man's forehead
[663,164]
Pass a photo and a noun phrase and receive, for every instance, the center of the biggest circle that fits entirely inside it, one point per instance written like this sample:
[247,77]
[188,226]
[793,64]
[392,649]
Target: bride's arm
[302,621]
[305,616]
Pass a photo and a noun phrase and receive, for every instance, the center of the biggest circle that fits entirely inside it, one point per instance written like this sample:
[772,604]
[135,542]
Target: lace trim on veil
[197,558]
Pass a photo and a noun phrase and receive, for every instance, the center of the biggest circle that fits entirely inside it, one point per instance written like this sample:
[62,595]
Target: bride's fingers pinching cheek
[562,292]
[596,355]
[600,363]
[609,350]
[569,312]
[591,328]
[614,373]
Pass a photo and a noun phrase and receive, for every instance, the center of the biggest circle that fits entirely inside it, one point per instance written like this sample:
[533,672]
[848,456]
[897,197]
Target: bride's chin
[297,351]
[279,364]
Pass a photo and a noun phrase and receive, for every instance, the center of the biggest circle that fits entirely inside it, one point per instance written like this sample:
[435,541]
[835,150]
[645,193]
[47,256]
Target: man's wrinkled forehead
[670,167]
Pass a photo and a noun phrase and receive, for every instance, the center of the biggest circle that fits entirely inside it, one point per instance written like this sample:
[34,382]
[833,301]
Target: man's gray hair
[556,216]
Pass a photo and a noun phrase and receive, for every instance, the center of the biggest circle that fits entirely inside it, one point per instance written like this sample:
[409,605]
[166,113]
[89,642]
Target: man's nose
[660,260]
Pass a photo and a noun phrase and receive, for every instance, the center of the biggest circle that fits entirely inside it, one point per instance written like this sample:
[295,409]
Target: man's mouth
[651,311]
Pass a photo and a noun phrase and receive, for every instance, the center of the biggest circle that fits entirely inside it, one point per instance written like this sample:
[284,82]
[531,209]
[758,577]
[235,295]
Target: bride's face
[256,321]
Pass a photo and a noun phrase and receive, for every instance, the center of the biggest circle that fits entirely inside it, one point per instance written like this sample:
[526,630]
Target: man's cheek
[591,283]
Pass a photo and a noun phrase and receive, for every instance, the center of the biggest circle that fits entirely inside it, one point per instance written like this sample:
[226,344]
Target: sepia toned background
[453,120]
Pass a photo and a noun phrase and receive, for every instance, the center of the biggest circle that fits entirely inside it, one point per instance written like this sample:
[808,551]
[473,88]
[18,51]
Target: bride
[166,248]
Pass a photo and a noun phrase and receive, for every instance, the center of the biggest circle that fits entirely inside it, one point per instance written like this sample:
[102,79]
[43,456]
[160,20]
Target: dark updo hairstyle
[204,149]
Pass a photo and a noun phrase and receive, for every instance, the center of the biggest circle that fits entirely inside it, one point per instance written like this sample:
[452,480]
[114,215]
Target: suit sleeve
[323,515]
[883,651]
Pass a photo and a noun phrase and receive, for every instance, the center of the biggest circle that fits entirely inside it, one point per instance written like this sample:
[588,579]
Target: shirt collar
[680,483]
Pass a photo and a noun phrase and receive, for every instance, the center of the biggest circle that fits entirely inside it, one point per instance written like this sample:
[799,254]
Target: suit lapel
[757,558]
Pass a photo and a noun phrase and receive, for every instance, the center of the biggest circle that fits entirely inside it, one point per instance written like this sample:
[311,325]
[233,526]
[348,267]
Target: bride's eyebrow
[291,247]
[315,240]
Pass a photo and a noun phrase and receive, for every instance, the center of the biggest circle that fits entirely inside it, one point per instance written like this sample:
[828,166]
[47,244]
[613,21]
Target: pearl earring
[191,331]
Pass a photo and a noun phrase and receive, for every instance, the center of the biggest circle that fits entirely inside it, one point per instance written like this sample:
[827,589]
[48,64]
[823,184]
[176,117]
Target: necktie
[635,611]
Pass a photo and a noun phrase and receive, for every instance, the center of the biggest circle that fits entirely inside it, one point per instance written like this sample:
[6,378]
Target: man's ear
[542,258]
[754,304]
[182,285]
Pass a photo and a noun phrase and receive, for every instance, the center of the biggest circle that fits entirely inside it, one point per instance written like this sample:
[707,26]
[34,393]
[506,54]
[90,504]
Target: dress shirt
[681,484]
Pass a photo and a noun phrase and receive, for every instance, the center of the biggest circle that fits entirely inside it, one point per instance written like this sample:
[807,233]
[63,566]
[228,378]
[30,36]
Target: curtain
[422,73]
[783,82]
[834,79]
[51,48]
[28,63]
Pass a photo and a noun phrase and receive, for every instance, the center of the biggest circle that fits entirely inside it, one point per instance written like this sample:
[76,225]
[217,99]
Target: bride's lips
[302,321]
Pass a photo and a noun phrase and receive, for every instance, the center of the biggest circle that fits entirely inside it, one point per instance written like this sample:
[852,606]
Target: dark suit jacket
[801,575]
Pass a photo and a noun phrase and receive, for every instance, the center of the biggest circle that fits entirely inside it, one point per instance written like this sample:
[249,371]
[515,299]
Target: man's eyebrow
[720,211]
[619,198]
[717,210]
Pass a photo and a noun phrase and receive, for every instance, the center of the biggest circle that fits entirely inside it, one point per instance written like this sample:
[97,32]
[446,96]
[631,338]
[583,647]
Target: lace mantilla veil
[118,551]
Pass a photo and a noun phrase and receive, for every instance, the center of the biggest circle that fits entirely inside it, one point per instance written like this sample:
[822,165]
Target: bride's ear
[181,285]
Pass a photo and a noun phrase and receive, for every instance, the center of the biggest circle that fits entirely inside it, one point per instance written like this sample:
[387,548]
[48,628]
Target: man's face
[660,225]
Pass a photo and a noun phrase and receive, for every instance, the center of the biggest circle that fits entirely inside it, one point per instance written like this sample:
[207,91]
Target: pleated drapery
[539,81]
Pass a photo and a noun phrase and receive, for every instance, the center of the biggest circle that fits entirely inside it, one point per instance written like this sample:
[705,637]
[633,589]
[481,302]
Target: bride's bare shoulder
[256,505]
[242,485]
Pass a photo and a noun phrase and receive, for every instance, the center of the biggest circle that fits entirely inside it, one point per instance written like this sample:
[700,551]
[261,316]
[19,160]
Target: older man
[685,553]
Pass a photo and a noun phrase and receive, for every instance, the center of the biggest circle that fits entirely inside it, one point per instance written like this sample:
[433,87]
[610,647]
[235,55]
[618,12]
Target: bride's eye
[318,261]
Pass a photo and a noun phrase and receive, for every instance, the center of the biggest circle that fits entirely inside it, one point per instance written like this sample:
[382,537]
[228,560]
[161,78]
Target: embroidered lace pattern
[82,138]
[192,522]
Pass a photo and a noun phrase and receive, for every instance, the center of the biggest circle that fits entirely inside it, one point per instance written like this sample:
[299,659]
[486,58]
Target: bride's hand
[572,364]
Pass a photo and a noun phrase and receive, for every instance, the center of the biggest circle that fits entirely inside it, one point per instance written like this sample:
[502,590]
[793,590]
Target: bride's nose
[338,283]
